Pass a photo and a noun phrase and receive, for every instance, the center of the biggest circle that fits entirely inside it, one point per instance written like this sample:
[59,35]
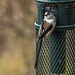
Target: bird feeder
[57,52]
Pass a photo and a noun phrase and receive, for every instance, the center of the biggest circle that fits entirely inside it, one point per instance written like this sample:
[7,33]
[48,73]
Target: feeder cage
[57,51]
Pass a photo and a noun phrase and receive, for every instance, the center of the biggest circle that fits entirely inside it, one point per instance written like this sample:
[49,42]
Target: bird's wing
[46,25]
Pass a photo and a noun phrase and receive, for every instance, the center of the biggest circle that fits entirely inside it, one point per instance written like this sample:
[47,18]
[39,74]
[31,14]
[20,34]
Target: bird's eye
[46,15]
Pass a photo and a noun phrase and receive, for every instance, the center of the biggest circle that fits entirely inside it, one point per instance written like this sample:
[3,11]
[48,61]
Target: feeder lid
[55,1]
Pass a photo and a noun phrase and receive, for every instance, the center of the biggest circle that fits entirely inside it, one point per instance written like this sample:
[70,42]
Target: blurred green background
[17,37]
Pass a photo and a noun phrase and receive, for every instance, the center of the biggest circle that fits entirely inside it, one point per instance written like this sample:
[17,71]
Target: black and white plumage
[49,20]
[45,30]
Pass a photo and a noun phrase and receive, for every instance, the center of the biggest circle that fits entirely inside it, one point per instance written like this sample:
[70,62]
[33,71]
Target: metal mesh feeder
[57,51]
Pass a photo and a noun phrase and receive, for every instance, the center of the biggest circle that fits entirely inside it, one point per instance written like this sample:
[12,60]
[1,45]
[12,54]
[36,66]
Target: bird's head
[49,17]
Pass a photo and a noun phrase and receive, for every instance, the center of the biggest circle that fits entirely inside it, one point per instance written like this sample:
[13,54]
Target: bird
[45,30]
[48,21]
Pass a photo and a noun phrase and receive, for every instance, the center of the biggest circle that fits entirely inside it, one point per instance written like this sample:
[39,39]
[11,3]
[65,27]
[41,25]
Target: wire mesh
[57,54]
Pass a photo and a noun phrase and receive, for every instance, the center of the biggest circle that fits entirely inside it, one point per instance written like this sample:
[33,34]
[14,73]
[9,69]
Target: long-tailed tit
[48,25]
[45,30]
